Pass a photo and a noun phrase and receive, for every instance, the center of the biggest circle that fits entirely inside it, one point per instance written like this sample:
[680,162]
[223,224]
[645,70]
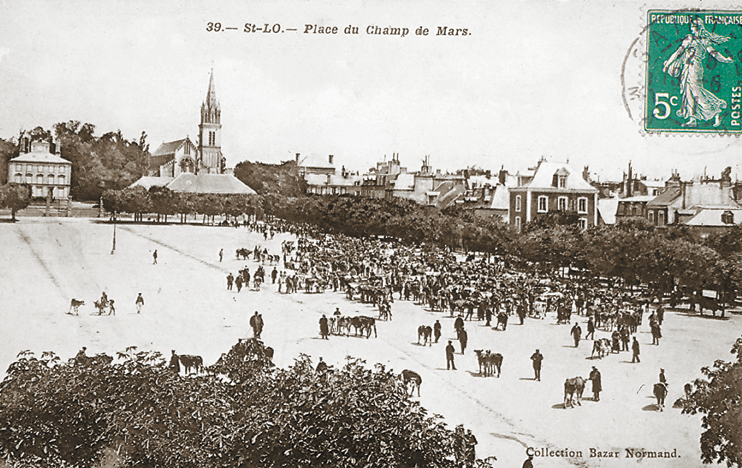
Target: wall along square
[694,71]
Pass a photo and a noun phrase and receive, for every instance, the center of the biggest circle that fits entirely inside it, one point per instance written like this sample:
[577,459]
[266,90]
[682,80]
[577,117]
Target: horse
[660,392]
[244,253]
[425,332]
[488,362]
[602,347]
[192,362]
[573,389]
[364,324]
[74,305]
[411,380]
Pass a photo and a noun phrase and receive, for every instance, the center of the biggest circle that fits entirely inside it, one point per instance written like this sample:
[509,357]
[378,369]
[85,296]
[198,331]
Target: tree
[15,196]
[718,397]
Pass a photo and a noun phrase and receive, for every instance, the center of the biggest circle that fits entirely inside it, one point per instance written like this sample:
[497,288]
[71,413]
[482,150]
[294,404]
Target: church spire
[211,101]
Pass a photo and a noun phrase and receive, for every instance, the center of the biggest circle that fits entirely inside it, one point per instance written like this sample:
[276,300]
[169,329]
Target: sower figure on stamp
[687,64]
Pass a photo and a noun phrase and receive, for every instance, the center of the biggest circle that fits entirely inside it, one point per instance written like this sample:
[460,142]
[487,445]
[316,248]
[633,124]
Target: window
[660,218]
[582,205]
[60,180]
[651,216]
[517,223]
[562,181]
[583,223]
[19,178]
[727,217]
[562,203]
[517,203]
[543,204]
[29,178]
[39,178]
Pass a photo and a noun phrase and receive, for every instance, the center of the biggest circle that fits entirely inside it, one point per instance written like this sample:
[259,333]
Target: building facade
[553,187]
[41,167]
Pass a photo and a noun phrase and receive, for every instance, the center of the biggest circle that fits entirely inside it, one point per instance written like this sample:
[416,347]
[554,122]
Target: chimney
[502,175]
[630,186]
[330,158]
[683,188]
[297,158]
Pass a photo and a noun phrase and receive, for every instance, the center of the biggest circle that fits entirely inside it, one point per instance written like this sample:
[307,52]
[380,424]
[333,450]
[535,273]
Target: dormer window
[727,217]
[559,179]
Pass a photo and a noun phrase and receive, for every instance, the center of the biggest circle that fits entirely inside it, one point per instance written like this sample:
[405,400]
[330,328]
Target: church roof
[168,148]
[208,183]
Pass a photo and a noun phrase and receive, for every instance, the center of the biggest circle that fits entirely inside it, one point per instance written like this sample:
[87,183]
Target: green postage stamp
[694,71]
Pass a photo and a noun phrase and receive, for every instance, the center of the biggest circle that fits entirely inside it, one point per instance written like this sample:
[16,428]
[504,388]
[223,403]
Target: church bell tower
[210,132]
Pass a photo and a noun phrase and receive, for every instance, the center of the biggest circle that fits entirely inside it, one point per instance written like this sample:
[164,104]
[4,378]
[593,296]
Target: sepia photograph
[421,234]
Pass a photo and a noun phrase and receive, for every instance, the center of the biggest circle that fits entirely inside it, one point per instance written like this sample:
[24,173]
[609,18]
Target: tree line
[244,412]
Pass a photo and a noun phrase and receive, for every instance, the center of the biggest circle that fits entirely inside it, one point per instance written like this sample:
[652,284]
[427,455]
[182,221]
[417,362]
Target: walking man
[449,356]
[139,303]
[597,384]
[576,334]
[154,256]
[590,329]
[537,357]
[437,330]
[463,339]
[635,349]
[221,255]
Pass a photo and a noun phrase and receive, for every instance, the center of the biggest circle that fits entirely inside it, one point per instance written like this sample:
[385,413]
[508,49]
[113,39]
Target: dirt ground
[47,262]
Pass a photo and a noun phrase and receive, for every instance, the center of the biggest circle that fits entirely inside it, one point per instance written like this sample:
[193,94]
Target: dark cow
[192,362]
[363,325]
[707,303]
[573,389]
[74,305]
[660,393]
[425,332]
[489,362]
[244,253]
[411,380]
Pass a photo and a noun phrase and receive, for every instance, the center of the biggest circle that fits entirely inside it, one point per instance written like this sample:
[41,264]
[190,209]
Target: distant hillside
[283,179]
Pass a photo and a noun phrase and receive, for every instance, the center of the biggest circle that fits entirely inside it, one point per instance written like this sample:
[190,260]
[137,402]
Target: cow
[363,324]
[244,253]
[573,389]
[411,380]
[707,303]
[489,362]
[74,305]
[192,362]
[425,332]
[660,392]
[602,347]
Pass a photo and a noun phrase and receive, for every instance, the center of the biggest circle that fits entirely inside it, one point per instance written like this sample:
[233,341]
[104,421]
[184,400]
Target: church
[176,157]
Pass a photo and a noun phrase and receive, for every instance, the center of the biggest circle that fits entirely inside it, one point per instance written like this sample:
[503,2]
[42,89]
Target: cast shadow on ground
[652,407]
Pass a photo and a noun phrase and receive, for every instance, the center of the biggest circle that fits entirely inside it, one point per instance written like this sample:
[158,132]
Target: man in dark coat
[537,357]
[463,339]
[154,256]
[323,328]
[437,330]
[174,362]
[576,333]
[471,448]
[230,280]
[590,329]
[449,356]
[238,283]
[254,324]
[274,275]
[635,349]
[597,384]
[458,324]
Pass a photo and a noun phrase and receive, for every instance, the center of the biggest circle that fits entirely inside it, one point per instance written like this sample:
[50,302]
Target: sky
[529,79]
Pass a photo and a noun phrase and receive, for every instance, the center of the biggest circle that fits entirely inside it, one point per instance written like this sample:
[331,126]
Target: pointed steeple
[211,101]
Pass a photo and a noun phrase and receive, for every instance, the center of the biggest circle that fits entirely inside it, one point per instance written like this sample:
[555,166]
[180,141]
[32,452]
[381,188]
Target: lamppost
[113,249]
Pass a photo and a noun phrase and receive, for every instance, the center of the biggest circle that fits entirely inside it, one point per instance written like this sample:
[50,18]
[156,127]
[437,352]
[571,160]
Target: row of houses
[706,204]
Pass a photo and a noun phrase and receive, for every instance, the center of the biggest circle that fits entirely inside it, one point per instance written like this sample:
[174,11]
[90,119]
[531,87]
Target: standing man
[230,280]
[463,339]
[174,363]
[238,282]
[597,384]
[662,377]
[323,328]
[660,314]
[154,256]
[259,322]
[437,330]
[635,349]
[274,275]
[656,332]
[537,357]
[254,324]
[576,334]
[139,303]
[471,448]
[449,356]
[521,311]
